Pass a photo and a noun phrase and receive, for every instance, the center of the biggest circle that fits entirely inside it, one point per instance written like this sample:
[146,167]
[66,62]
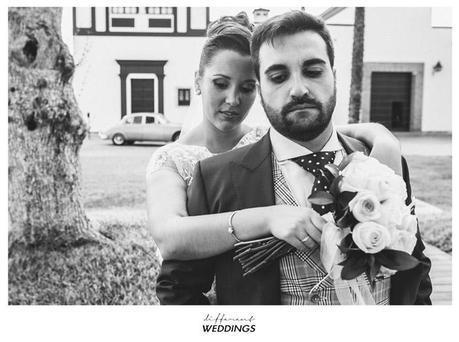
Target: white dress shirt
[298,179]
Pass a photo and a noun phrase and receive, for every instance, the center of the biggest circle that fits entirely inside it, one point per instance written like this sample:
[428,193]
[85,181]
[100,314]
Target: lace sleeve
[162,159]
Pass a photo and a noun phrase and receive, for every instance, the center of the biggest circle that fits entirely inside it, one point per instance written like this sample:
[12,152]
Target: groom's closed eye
[277,73]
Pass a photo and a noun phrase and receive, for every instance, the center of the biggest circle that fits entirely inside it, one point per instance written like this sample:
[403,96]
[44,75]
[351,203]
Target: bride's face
[228,89]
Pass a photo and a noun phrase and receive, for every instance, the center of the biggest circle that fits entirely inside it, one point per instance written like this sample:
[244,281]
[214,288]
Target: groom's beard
[298,129]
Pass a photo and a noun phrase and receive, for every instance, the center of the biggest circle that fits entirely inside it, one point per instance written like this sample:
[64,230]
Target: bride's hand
[299,226]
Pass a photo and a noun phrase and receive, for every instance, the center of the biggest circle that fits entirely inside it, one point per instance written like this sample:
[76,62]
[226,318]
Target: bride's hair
[227,33]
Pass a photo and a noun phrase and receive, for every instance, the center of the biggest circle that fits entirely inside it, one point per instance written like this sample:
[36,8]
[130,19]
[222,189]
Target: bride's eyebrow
[221,75]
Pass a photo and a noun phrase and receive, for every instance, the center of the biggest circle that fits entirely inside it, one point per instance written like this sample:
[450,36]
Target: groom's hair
[286,24]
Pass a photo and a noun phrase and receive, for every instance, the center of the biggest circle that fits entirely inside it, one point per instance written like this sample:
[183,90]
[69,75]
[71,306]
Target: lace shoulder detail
[179,158]
[253,136]
[161,158]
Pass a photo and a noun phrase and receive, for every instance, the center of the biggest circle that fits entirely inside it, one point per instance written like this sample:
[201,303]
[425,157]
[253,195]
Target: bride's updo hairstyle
[227,33]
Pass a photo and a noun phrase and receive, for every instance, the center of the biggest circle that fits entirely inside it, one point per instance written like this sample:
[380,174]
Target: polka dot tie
[315,164]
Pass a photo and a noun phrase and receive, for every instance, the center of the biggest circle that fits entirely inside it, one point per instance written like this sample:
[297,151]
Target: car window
[161,121]
[128,120]
[138,119]
[150,119]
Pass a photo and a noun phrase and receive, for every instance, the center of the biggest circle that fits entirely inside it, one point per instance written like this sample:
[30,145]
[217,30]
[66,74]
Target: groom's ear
[197,83]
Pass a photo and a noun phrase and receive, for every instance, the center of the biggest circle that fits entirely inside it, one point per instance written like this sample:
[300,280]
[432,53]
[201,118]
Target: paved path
[425,144]
[440,275]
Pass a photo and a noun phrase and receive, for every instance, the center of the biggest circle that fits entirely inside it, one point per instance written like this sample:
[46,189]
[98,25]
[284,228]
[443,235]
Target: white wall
[97,83]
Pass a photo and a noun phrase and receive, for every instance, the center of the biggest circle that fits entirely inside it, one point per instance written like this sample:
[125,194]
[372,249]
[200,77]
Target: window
[138,119]
[150,119]
[142,19]
[184,97]
[159,10]
[125,10]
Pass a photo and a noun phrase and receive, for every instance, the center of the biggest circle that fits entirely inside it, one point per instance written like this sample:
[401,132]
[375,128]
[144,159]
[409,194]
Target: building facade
[134,59]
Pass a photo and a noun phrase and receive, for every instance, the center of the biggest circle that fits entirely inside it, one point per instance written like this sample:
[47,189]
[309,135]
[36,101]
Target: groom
[293,58]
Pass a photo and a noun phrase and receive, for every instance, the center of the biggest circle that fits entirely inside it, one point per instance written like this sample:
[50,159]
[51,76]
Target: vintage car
[142,127]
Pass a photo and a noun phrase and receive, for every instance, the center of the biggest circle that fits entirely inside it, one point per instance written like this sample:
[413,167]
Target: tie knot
[315,162]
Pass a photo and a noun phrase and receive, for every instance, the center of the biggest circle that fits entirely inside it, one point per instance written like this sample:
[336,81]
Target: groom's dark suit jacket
[241,179]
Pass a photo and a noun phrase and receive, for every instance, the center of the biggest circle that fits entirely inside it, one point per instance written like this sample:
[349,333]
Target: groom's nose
[298,87]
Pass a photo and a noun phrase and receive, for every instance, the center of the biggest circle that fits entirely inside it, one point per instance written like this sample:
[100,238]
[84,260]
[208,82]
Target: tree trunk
[45,133]
[355,99]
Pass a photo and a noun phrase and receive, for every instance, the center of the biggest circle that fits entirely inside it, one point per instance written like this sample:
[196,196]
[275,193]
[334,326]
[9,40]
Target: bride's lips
[230,114]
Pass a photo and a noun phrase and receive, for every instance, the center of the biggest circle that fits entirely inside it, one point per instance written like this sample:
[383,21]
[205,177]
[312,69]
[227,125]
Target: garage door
[391,99]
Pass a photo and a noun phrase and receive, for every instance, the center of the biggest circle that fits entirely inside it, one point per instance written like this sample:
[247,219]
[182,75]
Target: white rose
[354,174]
[371,237]
[367,173]
[403,241]
[393,185]
[365,207]
[380,187]
[392,212]
[353,180]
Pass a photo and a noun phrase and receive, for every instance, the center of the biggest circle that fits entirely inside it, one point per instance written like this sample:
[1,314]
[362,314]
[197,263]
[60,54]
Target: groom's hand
[299,226]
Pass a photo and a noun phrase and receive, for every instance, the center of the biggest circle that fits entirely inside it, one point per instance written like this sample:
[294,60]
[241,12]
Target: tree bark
[45,133]
[355,99]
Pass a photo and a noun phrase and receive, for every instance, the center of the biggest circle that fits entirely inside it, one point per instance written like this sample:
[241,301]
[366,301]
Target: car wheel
[175,136]
[118,139]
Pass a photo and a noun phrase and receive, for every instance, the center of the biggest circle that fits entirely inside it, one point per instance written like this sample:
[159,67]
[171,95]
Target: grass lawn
[114,176]
[431,182]
[88,274]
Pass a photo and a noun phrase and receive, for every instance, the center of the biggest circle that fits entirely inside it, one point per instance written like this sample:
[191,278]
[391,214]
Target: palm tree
[357,65]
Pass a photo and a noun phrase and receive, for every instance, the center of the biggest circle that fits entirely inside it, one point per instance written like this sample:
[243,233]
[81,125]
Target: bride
[227,84]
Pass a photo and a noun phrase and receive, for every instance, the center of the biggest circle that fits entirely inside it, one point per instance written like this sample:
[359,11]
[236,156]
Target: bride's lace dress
[182,158]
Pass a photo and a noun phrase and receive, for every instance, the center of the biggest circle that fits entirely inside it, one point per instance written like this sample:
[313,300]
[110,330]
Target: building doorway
[142,95]
[142,86]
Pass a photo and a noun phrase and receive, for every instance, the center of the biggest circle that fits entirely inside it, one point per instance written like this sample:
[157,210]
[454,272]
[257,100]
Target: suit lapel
[252,175]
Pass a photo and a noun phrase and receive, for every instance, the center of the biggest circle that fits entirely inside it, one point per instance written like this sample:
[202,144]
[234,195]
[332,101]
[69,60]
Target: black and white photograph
[233,160]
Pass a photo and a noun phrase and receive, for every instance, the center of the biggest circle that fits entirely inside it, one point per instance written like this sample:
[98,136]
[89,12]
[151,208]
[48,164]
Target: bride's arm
[384,145]
[182,237]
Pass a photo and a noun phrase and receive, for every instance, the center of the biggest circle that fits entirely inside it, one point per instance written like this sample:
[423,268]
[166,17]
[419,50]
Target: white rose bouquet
[374,228]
